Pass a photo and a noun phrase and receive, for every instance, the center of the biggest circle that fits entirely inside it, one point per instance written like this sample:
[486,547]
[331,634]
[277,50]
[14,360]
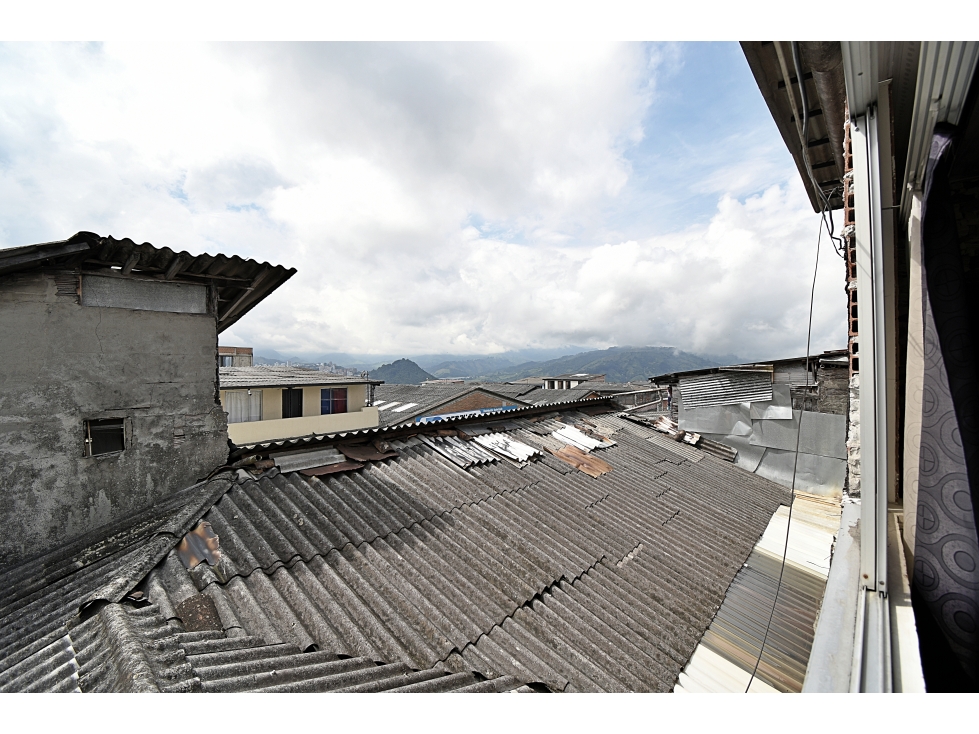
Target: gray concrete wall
[63,363]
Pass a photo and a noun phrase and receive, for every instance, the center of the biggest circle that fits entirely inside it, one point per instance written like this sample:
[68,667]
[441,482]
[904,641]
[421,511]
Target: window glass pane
[292,403]
[326,403]
[339,399]
[236,405]
[255,406]
[242,407]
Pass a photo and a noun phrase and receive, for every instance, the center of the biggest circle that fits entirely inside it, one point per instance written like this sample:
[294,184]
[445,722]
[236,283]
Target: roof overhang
[773,65]
[928,83]
[240,283]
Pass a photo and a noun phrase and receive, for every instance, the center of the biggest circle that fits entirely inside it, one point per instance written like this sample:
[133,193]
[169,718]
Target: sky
[436,198]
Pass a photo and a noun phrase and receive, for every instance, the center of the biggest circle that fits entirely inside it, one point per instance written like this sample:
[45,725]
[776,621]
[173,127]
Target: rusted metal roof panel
[725,388]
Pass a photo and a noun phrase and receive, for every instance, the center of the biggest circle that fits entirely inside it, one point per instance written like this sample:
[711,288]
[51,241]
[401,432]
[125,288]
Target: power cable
[795,464]
[837,241]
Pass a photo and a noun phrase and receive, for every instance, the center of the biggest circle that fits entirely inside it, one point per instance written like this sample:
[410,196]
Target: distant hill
[618,364]
[401,372]
[471,367]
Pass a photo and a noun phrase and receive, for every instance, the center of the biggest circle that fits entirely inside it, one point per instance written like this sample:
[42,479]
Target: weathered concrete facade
[64,363]
[834,389]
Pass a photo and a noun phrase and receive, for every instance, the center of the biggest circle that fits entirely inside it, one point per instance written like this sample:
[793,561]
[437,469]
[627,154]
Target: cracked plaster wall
[63,363]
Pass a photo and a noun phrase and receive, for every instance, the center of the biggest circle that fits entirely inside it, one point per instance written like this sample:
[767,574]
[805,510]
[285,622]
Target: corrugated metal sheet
[551,577]
[727,653]
[507,446]
[725,388]
[574,437]
[462,453]
[294,461]
[794,374]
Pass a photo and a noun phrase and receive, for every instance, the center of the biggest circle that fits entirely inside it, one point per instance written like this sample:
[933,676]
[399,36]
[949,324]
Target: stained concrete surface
[64,363]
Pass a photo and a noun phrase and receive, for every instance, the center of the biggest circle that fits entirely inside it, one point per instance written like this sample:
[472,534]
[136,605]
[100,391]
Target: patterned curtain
[946,551]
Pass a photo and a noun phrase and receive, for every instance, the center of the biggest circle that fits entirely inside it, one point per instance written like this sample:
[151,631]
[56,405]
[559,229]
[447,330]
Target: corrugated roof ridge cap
[109,239]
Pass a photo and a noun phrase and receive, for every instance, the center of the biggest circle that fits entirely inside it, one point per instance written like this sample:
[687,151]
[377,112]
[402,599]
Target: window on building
[243,406]
[333,400]
[292,402]
[105,436]
[227,360]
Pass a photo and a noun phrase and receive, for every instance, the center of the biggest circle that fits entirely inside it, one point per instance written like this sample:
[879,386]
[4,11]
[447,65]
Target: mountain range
[618,364]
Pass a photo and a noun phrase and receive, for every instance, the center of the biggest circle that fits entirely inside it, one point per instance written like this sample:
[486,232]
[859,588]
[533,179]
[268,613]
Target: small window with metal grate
[105,436]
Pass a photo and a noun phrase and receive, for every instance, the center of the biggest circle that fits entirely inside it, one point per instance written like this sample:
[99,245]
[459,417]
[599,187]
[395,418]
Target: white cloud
[433,197]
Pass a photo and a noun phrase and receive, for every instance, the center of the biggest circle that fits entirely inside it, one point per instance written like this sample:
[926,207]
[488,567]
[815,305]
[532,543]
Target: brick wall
[849,241]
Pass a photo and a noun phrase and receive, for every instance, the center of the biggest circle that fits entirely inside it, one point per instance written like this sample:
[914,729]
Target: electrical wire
[795,465]
[830,229]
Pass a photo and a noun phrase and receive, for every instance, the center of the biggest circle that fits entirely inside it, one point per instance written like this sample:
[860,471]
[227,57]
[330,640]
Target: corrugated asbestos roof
[40,597]
[262,376]
[612,387]
[241,283]
[401,425]
[408,573]
[548,397]
[508,388]
[729,649]
[424,398]
[427,398]
[541,573]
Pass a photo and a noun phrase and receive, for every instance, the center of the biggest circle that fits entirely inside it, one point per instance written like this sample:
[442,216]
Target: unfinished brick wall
[853,334]
[849,240]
